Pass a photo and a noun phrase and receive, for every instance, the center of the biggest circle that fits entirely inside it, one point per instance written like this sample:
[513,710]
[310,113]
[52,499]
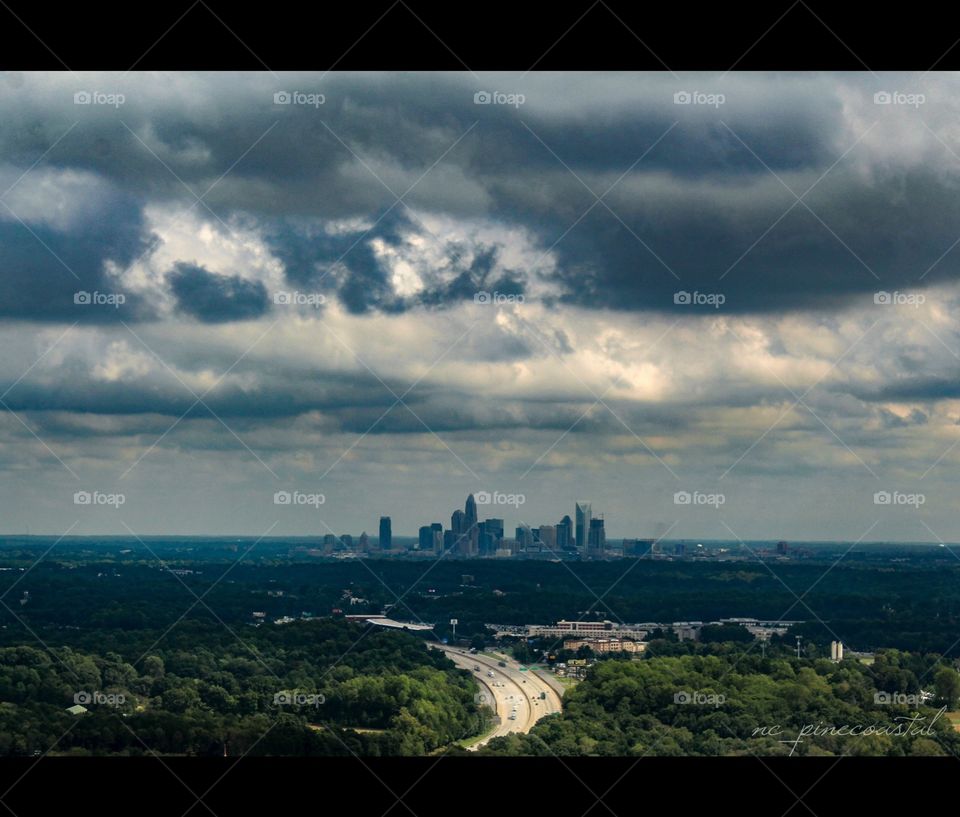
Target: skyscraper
[472,530]
[386,535]
[583,526]
[596,539]
[565,534]
[524,538]
[425,538]
[437,529]
[470,510]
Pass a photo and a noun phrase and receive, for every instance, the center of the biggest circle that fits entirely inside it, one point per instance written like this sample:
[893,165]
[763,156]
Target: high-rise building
[364,543]
[425,538]
[596,539]
[450,539]
[437,540]
[548,537]
[524,538]
[347,541]
[472,529]
[386,534]
[565,534]
[457,523]
[583,526]
[470,511]
[491,532]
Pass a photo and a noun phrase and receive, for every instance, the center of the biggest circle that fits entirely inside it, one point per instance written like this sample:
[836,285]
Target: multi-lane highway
[509,690]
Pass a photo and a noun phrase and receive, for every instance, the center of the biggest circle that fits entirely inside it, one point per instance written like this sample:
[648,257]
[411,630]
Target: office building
[471,530]
[386,534]
[425,538]
[583,526]
[449,540]
[548,537]
[596,539]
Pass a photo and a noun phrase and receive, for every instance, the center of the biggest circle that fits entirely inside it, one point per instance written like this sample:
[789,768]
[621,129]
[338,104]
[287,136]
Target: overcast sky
[214,287]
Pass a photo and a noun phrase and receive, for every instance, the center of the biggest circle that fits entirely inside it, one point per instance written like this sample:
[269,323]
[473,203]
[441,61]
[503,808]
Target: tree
[947,684]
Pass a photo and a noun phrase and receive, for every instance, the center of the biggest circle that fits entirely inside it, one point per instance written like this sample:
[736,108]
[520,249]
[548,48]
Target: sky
[715,306]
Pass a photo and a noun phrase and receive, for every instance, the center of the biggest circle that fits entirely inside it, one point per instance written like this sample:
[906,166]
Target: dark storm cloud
[45,269]
[345,265]
[912,387]
[685,217]
[215,298]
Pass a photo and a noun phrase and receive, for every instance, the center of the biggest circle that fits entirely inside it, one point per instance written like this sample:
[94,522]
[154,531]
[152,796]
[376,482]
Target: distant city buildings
[596,539]
[425,539]
[583,525]
[583,537]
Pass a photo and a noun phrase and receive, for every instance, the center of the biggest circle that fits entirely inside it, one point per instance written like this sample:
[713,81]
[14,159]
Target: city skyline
[396,290]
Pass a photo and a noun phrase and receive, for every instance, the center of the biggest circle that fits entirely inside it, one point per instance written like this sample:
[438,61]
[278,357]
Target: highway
[508,688]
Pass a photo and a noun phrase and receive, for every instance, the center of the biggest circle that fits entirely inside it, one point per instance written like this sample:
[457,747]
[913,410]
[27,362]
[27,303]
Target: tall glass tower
[583,526]
[386,535]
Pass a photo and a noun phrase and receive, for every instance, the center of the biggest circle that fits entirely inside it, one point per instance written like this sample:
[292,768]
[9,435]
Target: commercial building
[583,525]
[596,539]
[605,644]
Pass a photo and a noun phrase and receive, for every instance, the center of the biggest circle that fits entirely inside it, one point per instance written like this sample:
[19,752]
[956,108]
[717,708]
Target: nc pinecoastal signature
[906,726]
